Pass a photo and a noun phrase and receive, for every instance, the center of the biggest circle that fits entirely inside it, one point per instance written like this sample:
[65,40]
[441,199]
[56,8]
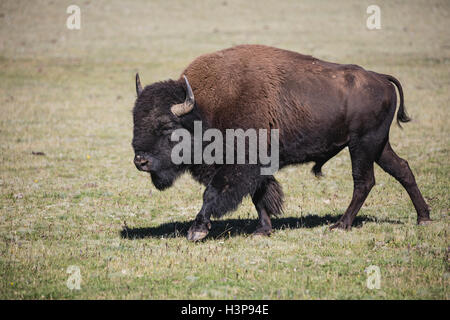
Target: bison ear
[188,104]
[138,85]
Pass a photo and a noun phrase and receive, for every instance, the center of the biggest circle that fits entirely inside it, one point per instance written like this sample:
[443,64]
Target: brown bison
[318,107]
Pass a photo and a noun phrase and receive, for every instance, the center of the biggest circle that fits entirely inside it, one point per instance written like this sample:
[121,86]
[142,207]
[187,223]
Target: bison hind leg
[317,169]
[399,168]
[322,159]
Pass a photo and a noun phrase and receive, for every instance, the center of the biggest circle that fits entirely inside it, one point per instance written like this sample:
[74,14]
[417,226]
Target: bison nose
[141,163]
[140,160]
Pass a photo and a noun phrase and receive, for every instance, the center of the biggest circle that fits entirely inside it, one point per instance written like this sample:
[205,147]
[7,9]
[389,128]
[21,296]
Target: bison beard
[163,180]
[318,107]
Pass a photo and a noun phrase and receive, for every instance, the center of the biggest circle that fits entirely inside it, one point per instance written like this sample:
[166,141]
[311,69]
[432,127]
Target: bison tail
[402,116]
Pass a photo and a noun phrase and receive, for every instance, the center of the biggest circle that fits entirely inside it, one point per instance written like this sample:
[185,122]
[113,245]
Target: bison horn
[188,104]
[138,85]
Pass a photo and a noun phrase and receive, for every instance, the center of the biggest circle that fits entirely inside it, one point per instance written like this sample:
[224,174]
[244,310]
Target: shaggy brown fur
[255,85]
[319,108]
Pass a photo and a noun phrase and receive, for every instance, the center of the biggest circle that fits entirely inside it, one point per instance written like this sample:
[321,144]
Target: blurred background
[67,182]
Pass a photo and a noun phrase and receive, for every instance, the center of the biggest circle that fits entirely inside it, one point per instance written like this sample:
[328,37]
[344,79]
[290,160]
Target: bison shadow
[236,227]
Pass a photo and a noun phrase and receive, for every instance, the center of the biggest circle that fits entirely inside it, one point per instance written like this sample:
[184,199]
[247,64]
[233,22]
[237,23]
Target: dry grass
[69,94]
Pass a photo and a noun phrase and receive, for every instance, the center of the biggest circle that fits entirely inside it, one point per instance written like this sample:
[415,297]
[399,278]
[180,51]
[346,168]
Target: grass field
[69,94]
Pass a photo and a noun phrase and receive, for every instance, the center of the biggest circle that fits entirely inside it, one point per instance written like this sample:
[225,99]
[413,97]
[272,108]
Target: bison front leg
[223,194]
[201,226]
[268,201]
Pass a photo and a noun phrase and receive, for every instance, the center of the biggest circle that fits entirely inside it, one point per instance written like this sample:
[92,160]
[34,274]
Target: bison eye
[166,125]
[166,128]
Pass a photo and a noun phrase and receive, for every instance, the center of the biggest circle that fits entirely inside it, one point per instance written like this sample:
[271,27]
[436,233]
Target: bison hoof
[341,225]
[424,221]
[197,233]
[263,231]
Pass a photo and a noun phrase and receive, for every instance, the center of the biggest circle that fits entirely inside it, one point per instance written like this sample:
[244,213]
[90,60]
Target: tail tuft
[402,117]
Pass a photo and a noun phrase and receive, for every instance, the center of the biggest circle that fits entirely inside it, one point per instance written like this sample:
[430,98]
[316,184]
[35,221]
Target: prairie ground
[69,93]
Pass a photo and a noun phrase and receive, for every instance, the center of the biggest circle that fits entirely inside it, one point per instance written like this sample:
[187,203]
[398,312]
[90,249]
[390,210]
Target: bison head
[160,109]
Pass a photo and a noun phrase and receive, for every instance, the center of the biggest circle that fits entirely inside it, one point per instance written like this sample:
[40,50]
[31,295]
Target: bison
[318,107]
